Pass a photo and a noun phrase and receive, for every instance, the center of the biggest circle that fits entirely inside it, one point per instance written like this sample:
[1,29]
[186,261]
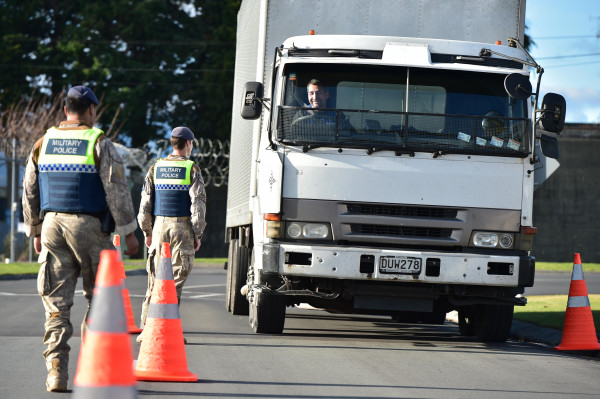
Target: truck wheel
[232,244]
[466,326]
[239,275]
[267,313]
[493,322]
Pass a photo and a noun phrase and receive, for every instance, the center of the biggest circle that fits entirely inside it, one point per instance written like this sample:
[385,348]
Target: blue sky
[569,29]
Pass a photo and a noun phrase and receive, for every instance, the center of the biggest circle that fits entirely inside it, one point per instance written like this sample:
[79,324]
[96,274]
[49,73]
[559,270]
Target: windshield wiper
[397,152]
[308,147]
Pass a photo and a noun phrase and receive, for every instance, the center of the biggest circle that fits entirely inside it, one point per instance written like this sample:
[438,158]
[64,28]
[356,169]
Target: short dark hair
[178,143]
[77,105]
[315,82]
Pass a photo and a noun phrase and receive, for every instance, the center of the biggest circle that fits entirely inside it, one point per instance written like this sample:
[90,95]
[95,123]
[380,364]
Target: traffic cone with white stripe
[104,365]
[131,327]
[579,332]
[162,351]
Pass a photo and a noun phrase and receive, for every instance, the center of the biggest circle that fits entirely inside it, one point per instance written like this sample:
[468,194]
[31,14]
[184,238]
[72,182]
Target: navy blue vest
[68,177]
[172,182]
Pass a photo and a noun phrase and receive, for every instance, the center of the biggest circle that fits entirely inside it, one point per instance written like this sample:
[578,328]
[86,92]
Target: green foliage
[549,310]
[164,63]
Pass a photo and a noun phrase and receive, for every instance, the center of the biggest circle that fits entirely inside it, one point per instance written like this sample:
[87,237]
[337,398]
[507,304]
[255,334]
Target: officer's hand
[148,241]
[196,244]
[37,244]
[132,244]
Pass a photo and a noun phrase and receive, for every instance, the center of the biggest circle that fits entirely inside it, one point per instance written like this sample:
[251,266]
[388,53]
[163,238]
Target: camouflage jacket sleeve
[198,197]
[118,197]
[31,194]
[147,204]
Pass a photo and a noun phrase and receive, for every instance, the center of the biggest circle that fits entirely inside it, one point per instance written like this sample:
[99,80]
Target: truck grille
[400,231]
[400,224]
[401,211]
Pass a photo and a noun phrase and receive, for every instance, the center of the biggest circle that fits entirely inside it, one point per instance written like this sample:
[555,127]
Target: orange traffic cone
[579,332]
[104,365]
[162,352]
[131,327]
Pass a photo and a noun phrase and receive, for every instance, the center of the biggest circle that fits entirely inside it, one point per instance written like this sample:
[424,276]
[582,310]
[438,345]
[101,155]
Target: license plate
[400,265]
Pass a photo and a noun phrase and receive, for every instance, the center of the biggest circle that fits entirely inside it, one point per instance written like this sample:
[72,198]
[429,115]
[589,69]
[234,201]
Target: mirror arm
[540,71]
[264,102]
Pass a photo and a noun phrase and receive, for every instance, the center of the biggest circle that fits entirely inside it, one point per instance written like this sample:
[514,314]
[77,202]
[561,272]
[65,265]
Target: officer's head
[181,137]
[80,99]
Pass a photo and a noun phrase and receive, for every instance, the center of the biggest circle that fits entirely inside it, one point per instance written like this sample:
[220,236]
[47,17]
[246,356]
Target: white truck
[408,191]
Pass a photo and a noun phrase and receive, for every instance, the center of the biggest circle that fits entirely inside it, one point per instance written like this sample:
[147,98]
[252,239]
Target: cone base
[164,376]
[134,330]
[578,347]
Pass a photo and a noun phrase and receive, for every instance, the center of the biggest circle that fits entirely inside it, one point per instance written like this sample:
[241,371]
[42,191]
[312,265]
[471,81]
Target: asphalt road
[320,355]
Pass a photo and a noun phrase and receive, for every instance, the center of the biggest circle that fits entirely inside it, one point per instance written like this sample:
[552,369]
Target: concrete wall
[567,205]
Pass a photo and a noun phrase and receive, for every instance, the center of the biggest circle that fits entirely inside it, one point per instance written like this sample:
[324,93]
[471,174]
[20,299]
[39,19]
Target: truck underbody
[484,311]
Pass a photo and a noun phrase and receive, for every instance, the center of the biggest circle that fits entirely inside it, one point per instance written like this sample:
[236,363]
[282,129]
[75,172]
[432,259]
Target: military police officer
[74,193]
[174,195]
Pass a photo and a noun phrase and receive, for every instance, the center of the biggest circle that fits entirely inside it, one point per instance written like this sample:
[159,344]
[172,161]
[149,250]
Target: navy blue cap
[182,132]
[83,93]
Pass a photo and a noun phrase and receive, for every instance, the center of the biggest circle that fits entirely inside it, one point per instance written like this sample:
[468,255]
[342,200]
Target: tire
[232,244]
[493,322]
[267,313]
[239,276]
[466,326]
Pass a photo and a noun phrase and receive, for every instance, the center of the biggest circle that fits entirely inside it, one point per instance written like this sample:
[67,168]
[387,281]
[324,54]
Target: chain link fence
[211,155]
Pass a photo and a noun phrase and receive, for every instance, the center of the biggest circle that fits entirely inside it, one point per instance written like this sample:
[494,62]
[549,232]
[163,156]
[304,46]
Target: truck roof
[404,51]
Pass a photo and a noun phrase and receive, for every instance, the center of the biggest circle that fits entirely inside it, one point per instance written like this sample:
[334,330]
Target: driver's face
[317,96]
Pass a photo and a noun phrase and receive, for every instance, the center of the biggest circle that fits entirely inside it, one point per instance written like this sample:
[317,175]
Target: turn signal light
[273,225]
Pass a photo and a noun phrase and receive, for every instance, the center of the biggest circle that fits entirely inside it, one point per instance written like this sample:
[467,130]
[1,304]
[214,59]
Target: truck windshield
[396,108]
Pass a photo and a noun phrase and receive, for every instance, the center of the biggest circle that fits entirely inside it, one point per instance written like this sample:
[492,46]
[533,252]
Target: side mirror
[517,86]
[549,145]
[251,104]
[553,112]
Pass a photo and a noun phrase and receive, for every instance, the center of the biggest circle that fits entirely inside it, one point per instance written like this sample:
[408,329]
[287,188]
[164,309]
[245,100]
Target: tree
[528,42]
[162,63]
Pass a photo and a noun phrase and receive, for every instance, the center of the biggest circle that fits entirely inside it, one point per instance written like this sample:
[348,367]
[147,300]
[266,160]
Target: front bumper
[363,264]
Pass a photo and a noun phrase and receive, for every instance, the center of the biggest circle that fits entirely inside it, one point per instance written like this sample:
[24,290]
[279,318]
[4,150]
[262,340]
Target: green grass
[130,264]
[549,310]
[566,266]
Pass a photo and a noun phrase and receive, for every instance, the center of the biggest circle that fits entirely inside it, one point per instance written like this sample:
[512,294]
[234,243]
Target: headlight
[314,230]
[294,230]
[490,239]
[307,231]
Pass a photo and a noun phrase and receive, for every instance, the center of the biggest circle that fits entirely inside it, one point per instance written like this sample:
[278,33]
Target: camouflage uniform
[71,243]
[179,232]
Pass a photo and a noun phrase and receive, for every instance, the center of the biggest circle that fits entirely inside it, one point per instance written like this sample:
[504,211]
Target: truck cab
[406,191]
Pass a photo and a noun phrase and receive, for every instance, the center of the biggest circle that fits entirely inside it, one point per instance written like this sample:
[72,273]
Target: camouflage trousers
[71,245]
[178,232]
